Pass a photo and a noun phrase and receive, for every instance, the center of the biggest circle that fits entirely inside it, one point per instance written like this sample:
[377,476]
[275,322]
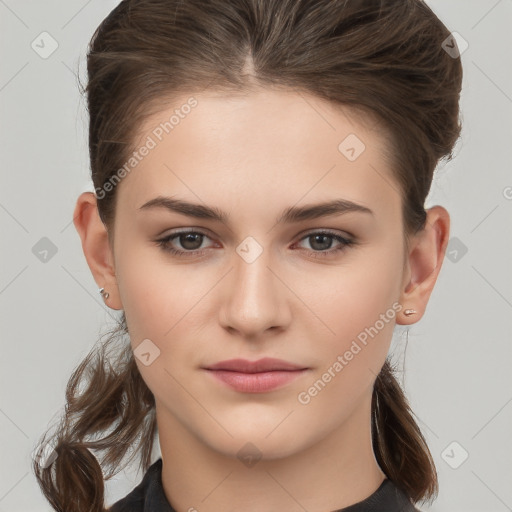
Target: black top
[149,496]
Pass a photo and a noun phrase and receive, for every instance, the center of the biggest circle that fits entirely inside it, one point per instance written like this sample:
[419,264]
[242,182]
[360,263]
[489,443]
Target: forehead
[266,144]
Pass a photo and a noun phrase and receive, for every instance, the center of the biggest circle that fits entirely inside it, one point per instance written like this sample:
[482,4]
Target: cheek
[165,304]
[156,296]
[158,303]
[351,295]
[357,306]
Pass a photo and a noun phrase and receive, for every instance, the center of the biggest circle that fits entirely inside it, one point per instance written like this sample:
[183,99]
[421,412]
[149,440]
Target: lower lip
[256,382]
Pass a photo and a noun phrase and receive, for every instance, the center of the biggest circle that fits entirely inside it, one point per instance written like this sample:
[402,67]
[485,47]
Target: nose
[255,299]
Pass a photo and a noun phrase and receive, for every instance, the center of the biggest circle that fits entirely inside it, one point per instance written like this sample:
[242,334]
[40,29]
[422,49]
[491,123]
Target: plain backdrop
[457,363]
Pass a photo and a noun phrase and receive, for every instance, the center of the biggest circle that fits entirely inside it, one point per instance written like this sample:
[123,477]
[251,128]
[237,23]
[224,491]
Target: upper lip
[266,364]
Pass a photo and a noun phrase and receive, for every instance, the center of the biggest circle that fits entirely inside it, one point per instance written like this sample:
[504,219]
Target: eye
[191,242]
[322,241]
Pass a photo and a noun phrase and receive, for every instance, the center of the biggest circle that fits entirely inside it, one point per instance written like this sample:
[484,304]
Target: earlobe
[425,259]
[96,247]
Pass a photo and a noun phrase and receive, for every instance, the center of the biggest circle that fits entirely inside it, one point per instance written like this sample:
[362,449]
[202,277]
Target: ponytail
[400,448]
[117,405]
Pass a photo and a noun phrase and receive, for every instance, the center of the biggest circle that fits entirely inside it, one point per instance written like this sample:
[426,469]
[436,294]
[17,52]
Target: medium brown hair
[382,58]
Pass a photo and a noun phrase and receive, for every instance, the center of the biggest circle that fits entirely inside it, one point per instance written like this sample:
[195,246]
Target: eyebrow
[289,215]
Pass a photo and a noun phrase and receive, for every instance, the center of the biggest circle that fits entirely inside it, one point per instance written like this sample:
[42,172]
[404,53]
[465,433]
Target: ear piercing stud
[104,293]
[407,312]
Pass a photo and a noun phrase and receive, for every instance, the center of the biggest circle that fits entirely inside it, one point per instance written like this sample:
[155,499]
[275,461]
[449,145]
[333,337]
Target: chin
[250,443]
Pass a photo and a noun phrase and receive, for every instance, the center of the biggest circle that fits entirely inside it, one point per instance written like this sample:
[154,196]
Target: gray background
[457,362]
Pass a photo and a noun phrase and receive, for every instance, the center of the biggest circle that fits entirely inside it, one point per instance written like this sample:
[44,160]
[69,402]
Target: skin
[252,156]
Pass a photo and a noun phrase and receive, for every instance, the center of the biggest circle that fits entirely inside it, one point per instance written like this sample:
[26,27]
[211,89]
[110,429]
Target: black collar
[149,496]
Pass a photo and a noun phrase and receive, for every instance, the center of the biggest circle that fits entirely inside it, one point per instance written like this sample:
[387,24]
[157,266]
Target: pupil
[326,245]
[191,238]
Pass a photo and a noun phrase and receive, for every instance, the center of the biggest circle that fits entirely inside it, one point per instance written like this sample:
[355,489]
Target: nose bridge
[254,301]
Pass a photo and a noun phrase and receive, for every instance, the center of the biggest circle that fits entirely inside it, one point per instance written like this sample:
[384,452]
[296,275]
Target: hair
[383,59]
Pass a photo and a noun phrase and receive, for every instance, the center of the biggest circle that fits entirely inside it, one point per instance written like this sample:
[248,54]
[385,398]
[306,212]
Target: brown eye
[190,242]
[322,241]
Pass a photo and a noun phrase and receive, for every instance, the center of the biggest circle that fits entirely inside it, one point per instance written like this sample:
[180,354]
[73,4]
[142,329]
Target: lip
[258,376]
[267,364]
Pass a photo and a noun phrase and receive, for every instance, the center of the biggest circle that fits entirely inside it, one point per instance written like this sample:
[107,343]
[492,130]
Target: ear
[423,264]
[96,246]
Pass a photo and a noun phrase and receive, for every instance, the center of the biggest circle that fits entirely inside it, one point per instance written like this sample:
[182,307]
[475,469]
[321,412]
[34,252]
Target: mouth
[267,364]
[259,376]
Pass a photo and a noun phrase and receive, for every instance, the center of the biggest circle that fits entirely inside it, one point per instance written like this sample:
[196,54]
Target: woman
[260,173]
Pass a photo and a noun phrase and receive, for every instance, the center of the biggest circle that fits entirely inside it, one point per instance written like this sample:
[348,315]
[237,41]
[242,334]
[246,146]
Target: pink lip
[267,364]
[255,376]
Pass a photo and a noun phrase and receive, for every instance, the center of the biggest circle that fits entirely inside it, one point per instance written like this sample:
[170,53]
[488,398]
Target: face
[273,277]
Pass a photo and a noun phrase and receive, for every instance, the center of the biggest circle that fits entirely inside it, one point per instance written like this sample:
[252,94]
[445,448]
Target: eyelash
[164,244]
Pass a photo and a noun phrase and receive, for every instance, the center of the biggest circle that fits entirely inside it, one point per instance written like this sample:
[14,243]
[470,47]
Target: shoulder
[387,497]
[147,496]
[394,497]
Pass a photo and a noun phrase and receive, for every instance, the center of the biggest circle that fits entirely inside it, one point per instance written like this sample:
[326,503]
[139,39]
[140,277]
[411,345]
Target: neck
[338,470]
